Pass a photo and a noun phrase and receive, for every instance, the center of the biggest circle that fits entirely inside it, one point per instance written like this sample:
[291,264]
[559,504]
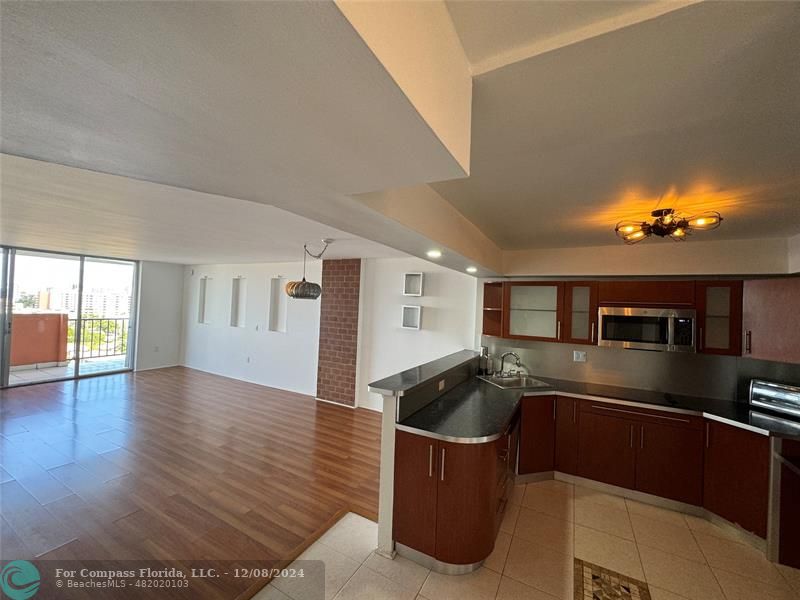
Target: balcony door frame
[8,257]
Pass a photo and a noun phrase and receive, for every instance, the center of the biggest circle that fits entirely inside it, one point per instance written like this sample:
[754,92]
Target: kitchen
[679,397]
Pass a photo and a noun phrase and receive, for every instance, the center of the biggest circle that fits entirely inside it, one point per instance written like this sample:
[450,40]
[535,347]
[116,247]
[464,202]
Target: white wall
[654,257]
[252,353]
[158,343]
[448,319]
[794,254]
[419,47]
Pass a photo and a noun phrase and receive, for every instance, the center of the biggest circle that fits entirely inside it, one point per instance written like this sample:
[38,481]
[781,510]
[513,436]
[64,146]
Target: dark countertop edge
[779,431]
[651,406]
[392,386]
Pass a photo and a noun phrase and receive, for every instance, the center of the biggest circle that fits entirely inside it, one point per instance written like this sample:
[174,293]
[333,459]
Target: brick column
[338,330]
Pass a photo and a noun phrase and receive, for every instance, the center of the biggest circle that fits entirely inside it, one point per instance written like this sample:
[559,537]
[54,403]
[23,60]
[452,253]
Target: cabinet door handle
[708,435]
[558,330]
[748,342]
[442,464]
[574,411]
[641,440]
[700,339]
[430,460]
[591,336]
[554,410]
[631,436]
[641,414]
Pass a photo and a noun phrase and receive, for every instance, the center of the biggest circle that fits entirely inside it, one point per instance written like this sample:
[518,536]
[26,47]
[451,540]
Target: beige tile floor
[546,526]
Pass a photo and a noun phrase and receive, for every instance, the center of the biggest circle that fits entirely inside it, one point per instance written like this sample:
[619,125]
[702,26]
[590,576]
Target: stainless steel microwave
[658,329]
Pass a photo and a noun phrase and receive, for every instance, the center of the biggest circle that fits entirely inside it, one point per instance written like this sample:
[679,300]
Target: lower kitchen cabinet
[449,497]
[669,461]
[566,442]
[649,451]
[466,503]
[415,488]
[537,434]
[605,449]
[736,481]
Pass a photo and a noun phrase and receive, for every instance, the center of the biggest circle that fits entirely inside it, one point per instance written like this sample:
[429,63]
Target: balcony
[43,346]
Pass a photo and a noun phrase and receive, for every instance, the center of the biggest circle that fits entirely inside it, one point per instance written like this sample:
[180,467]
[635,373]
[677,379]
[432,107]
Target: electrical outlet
[578,356]
[441,385]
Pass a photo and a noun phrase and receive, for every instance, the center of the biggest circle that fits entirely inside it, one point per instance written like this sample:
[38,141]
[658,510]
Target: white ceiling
[601,109]
[700,107]
[280,103]
[52,207]
[490,29]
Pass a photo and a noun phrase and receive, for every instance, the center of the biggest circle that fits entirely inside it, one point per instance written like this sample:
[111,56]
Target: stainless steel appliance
[657,329]
[779,409]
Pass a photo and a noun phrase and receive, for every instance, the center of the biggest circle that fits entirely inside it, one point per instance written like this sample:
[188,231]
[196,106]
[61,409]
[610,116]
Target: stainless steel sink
[514,382]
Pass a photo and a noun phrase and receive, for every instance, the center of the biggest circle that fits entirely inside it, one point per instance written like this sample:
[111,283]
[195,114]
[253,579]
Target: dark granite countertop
[405,382]
[472,412]
[476,411]
[737,413]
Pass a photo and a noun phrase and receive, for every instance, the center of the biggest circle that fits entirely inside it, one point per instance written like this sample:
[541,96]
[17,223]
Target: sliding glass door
[65,316]
[105,316]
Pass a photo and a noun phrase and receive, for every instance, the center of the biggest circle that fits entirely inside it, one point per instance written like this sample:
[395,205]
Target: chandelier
[307,290]
[667,223]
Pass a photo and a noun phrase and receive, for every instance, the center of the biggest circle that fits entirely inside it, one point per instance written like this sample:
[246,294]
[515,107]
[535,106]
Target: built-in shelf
[412,284]
[277,305]
[202,300]
[412,317]
[238,301]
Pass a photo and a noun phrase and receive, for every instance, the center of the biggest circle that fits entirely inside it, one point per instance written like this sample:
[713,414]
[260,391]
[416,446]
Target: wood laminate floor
[177,464]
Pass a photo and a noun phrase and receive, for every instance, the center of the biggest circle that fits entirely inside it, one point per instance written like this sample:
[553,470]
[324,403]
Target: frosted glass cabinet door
[719,318]
[580,312]
[534,310]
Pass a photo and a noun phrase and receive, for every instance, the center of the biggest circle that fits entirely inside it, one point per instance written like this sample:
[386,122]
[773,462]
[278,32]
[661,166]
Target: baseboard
[335,403]
[156,368]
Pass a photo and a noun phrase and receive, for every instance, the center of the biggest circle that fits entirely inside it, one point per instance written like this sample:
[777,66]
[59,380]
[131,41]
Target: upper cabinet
[493,308]
[533,310]
[580,312]
[719,317]
[770,319]
[647,293]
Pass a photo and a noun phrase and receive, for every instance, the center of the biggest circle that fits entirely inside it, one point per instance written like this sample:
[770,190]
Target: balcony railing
[99,337]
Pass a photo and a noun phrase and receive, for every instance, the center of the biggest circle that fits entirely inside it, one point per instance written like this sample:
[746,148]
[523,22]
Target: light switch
[578,356]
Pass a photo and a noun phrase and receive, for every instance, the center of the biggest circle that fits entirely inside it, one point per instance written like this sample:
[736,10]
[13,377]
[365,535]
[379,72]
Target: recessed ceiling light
[434,254]
[472,270]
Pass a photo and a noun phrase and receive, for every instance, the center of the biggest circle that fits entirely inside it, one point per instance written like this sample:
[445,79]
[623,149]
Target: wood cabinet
[669,460]
[416,468]
[533,310]
[493,308]
[566,436]
[449,497]
[580,312]
[466,503]
[650,451]
[789,536]
[605,449]
[537,434]
[770,319]
[736,476]
[719,317]
[646,293]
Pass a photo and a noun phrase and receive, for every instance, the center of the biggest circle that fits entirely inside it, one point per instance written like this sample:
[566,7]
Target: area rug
[593,582]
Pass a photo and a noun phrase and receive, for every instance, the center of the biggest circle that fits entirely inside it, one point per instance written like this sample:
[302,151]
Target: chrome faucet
[503,361]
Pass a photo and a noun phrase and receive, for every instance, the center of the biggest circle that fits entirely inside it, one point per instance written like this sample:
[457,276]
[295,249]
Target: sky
[33,273]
